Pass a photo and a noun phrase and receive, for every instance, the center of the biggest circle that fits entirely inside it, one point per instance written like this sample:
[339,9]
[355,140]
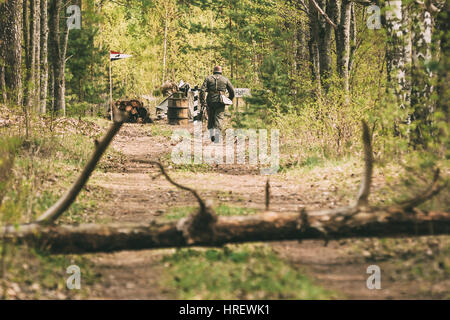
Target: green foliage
[35,172]
[86,71]
[8,150]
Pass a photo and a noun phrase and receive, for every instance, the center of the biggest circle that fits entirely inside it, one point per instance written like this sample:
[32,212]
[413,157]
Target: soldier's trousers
[216,111]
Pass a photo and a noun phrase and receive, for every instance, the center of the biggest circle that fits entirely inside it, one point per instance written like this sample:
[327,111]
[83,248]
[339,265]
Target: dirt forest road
[137,197]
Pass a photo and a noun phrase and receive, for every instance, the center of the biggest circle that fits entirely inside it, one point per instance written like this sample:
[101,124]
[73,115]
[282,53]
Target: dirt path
[138,198]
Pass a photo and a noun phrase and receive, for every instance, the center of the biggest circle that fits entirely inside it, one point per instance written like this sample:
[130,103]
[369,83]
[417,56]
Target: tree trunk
[313,43]
[57,55]
[353,28]
[11,49]
[62,60]
[269,226]
[31,68]
[443,77]
[325,43]
[44,57]
[37,53]
[230,25]
[398,51]
[343,43]
[26,46]
[2,81]
[300,46]
[165,46]
[51,89]
[421,77]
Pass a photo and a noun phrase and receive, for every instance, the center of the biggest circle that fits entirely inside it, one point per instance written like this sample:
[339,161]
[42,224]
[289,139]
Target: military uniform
[215,85]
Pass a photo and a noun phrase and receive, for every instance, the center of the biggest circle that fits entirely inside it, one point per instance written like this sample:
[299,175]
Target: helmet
[217,69]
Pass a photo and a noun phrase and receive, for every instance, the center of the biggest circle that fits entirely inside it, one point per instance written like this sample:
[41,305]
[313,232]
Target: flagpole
[116,56]
[110,90]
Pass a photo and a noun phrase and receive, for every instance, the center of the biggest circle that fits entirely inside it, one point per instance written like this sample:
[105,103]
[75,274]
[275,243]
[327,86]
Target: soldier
[215,85]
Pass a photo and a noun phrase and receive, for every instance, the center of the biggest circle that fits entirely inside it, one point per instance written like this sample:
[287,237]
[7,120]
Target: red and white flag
[113,55]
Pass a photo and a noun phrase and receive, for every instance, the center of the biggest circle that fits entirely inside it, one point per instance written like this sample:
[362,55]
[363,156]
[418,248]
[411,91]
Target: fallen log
[267,226]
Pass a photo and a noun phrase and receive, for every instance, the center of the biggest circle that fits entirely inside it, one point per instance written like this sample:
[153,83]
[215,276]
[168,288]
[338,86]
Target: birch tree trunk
[26,47]
[353,29]
[343,43]
[62,61]
[398,51]
[421,76]
[31,67]
[37,53]
[44,57]
[443,77]
[53,24]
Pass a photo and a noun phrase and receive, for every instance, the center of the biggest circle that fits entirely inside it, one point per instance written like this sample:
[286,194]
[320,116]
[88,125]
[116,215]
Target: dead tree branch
[432,190]
[199,226]
[364,190]
[322,13]
[201,202]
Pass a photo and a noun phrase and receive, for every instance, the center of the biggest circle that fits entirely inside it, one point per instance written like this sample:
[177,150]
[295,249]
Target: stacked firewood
[137,113]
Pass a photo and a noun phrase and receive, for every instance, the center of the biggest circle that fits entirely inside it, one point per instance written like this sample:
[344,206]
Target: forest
[352,96]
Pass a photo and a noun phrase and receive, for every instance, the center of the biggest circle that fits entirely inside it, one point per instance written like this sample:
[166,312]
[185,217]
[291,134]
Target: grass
[237,272]
[34,174]
[32,274]
[158,130]
[192,168]
[423,260]
[176,213]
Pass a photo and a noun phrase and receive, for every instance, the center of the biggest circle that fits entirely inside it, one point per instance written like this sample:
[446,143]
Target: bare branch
[201,202]
[199,226]
[432,190]
[303,4]
[364,190]
[322,13]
